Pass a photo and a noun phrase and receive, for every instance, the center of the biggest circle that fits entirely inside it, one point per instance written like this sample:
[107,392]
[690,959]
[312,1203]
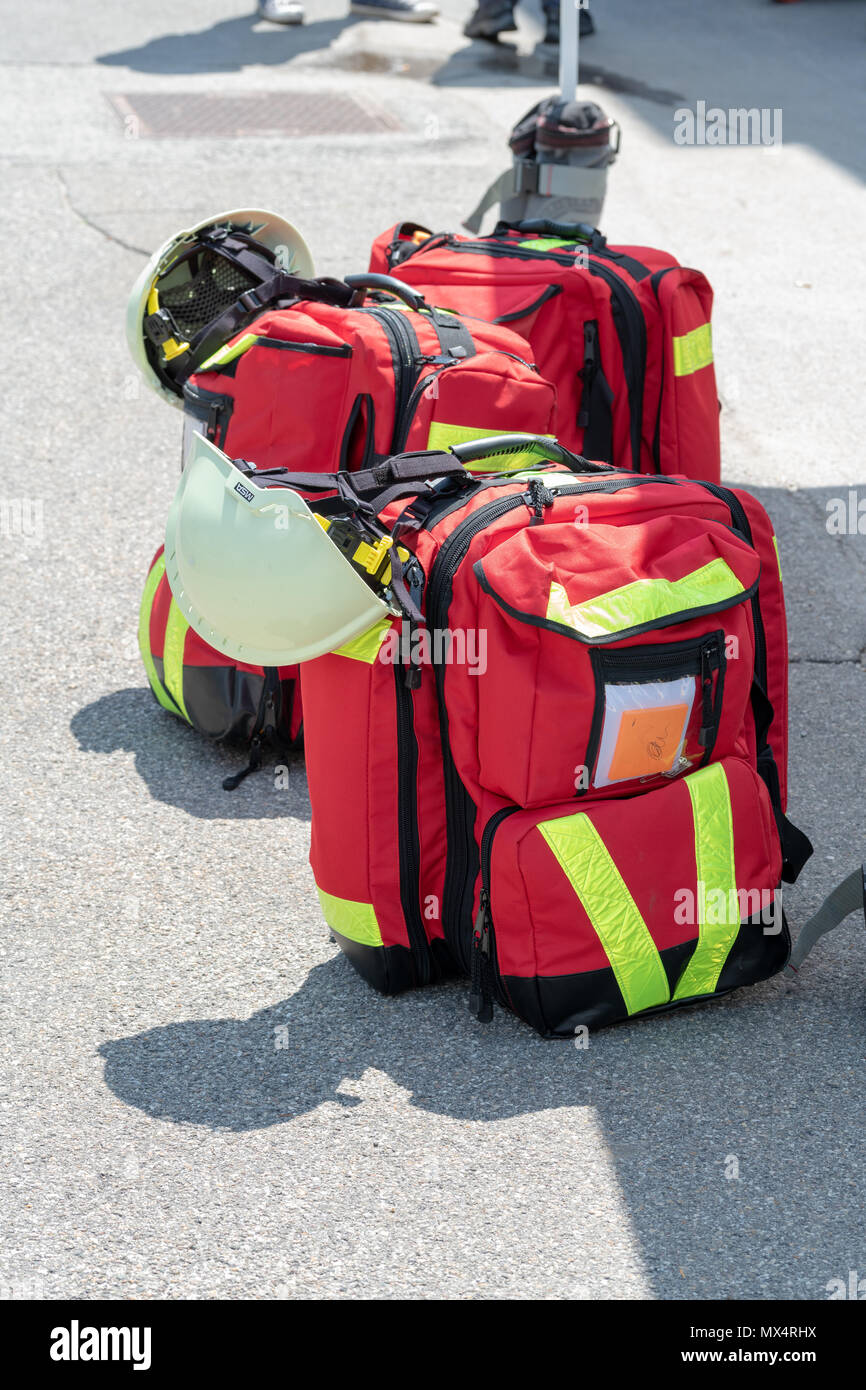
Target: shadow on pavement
[677,1098]
[229,46]
[182,768]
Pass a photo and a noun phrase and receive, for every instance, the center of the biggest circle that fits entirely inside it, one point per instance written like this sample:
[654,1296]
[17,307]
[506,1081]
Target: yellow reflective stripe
[357,921]
[172,656]
[224,355]
[583,856]
[694,350]
[147,598]
[717,880]
[644,600]
[366,646]
[547,243]
[778,556]
[444,436]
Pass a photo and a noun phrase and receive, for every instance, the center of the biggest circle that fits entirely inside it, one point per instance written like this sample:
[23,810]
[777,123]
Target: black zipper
[461,860]
[657,457]
[741,523]
[587,373]
[409,847]
[484,968]
[407,359]
[631,330]
[314,349]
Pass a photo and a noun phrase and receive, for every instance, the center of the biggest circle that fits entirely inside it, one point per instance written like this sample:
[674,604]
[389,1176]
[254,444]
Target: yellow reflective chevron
[357,921]
[444,436]
[584,858]
[229,353]
[147,598]
[366,647]
[644,600]
[694,350]
[176,629]
[778,556]
[716,879]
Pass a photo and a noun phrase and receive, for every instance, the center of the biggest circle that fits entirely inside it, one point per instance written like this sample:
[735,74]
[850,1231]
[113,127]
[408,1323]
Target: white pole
[569,39]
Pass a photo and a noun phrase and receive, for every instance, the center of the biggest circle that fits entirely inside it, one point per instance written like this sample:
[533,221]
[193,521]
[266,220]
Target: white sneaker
[281,11]
[409,11]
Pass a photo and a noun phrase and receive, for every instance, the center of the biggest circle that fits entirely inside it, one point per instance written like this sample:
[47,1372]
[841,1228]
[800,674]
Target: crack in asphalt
[94,226]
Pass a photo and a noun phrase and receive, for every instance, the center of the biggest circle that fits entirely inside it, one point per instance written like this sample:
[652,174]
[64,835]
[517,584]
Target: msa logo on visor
[244,492]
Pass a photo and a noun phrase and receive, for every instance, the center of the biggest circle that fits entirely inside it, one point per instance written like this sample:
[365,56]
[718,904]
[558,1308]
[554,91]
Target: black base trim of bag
[556,1005]
[391,969]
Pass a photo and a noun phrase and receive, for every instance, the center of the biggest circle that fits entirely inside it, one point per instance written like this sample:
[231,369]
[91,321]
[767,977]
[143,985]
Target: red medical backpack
[321,387]
[622,331]
[564,772]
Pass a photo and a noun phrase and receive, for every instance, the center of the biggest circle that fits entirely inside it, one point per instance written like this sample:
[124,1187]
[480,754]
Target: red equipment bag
[333,383]
[562,770]
[252,706]
[324,387]
[623,332]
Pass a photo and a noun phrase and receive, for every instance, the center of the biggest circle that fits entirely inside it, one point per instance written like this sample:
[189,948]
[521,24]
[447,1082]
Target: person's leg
[491,18]
[551,20]
[409,11]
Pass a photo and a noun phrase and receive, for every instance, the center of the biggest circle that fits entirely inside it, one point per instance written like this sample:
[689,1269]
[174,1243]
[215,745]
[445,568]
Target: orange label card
[647,742]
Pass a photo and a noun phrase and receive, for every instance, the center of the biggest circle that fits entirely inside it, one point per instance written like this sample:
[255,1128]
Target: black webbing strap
[280,286]
[847,897]
[404,470]
[455,340]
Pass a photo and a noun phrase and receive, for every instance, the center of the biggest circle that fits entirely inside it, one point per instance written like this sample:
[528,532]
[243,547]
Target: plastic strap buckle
[250,300]
[160,326]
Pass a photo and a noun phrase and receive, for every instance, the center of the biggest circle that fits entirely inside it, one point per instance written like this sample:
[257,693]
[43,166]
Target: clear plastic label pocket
[644,730]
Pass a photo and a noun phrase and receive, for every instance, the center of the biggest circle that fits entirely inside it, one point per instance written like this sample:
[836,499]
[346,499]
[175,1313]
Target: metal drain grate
[196,115]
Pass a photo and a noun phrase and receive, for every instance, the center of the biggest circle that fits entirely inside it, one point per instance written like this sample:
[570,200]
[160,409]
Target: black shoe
[551,33]
[488,22]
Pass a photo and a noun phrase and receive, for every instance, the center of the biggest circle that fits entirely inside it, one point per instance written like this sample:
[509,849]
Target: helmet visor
[254,572]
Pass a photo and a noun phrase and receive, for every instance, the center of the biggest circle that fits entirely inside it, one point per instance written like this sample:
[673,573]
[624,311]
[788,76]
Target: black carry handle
[525,444]
[374,281]
[542,226]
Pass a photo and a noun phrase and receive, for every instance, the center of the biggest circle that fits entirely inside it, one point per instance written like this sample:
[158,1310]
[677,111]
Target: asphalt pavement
[200,1098]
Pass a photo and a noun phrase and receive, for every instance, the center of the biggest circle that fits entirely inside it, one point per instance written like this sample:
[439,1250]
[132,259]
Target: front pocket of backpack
[608,675]
[658,711]
[618,908]
[294,398]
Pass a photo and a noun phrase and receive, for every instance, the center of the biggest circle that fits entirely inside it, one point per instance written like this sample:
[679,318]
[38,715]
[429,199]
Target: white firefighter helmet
[194,278]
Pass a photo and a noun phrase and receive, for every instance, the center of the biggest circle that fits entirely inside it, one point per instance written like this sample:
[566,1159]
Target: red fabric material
[542,928]
[549,300]
[519,724]
[308,410]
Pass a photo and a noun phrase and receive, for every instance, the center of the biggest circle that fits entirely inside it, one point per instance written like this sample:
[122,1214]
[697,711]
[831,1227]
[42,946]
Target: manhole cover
[188,115]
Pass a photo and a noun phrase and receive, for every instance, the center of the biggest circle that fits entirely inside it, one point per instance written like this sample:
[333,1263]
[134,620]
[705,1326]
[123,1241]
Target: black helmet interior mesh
[213,287]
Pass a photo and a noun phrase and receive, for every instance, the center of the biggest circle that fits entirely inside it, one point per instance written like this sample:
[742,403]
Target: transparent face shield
[253,570]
